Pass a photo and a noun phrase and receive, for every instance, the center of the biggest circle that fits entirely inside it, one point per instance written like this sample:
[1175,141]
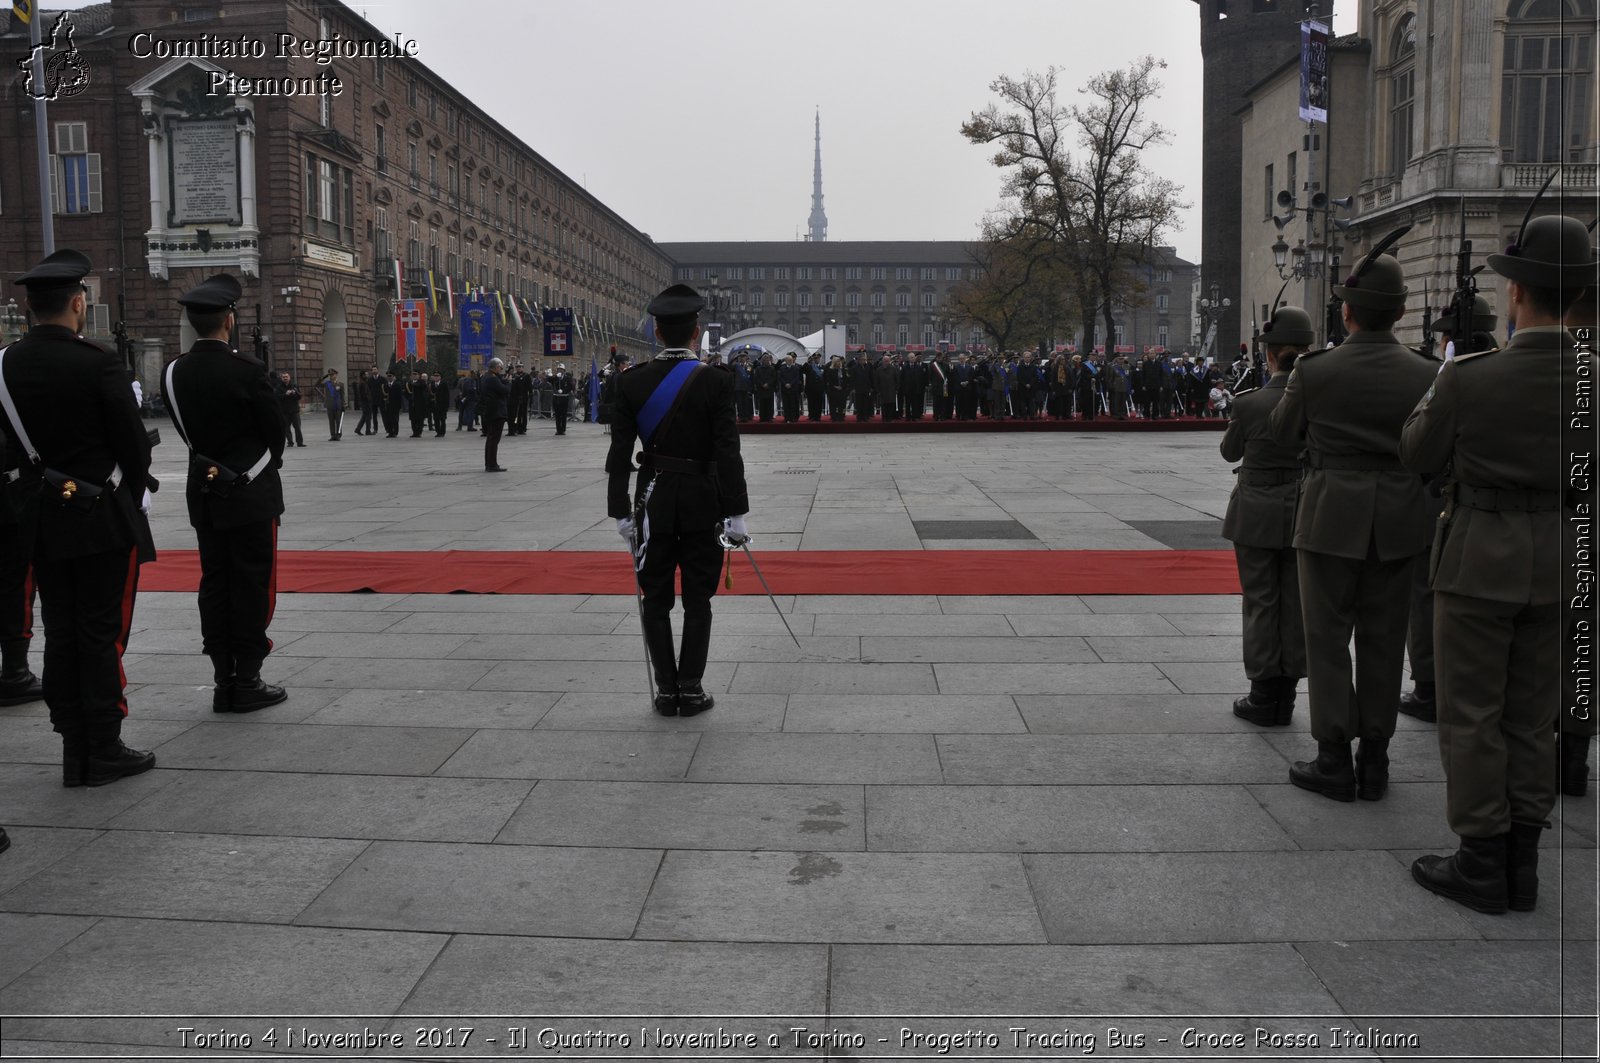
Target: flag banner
[1314,72]
[477,333]
[1155,350]
[433,293]
[855,348]
[516,311]
[450,294]
[23,9]
[916,348]
[399,281]
[410,331]
[882,348]
[1125,348]
[558,332]
[594,389]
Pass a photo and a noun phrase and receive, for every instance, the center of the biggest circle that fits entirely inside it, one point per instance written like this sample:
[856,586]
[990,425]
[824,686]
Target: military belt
[1357,462]
[1501,500]
[686,466]
[1268,477]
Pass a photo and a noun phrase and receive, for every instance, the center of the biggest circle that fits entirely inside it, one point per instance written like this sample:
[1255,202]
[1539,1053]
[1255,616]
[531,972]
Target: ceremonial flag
[516,312]
[1314,72]
[450,294]
[477,333]
[399,282]
[410,331]
[501,303]
[558,333]
[433,293]
[594,388]
[23,9]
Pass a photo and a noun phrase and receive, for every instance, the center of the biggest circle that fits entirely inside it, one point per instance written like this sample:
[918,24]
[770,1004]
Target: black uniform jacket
[493,391]
[78,409]
[703,428]
[229,418]
[1261,508]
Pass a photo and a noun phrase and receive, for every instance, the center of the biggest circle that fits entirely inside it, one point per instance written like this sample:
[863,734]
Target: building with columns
[195,146]
[1473,104]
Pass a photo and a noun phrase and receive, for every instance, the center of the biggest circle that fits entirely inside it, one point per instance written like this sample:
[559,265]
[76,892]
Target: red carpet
[863,572]
[928,424]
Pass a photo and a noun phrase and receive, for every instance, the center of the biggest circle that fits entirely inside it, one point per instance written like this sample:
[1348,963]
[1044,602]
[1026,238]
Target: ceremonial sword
[735,542]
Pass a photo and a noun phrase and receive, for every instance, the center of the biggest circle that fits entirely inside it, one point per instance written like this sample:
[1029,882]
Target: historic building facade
[197,146]
[1464,109]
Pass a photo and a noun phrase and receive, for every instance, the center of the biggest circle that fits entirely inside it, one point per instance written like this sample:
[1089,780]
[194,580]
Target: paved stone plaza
[974,807]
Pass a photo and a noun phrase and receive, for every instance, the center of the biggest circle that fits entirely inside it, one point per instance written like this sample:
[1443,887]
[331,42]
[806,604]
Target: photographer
[288,397]
[333,402]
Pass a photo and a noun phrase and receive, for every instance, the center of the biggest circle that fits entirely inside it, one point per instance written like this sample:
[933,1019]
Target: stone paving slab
[512,710]
[27,939]
[1045,819]
[1287,896]
[816,758]
[649,815]
[186,876]
[1160,714]
[577,710]
[1410,816]
[329,806]
[834,678]
[1106,759]
[360,673]
[841,896]
[496,623]
[976,650]
[572,755]
[307,747]
[1051,679]
[36,798]
[33,849]
[1087,623]
[30,739]
[901,714]
[192,703]
[594,676]
[519,890]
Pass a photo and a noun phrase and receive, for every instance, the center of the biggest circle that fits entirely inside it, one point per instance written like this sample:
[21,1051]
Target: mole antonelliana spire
[818,223]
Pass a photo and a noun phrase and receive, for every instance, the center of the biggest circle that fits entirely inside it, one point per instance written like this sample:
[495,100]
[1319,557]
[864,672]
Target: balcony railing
[1532,175]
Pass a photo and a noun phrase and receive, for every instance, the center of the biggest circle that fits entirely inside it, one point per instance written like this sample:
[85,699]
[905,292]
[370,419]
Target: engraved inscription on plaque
[204,157]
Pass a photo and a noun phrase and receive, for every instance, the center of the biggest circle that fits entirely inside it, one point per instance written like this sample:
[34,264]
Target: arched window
[1402,95]
[1547,82]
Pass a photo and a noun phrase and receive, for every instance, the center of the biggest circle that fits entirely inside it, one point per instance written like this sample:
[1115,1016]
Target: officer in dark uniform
[1418,702]
[521,399]
[1358,527]
[691,477]
[421,394]
[394,396]
[494,397]
[561,385]
[19,516]
[1260,524]
[222,409]
[834,382]
[1497,560]
[815,389]
[93,463]
[861,385]
[791,387]
[441,405]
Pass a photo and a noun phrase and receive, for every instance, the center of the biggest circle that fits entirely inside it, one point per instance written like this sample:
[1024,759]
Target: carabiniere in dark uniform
[223,408]
[1260,524]
[691,476]
[86,458]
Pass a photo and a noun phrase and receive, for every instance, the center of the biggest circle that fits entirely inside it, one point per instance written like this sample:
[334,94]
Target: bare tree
[1018,293]
[1102,208]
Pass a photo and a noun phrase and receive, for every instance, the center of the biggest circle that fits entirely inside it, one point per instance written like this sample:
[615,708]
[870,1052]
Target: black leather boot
[223,677]
[1475,876]
[1574,752]
[250,693]
[1260,706]
[663,659]
[5,842]
[693,700]
[1286,685]
[1522,866]
[1419,703]
[1330,775]
[102,762]
[18,685]
[1372,768]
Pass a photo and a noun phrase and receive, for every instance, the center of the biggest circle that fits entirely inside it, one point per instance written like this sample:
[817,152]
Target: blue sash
[661,400]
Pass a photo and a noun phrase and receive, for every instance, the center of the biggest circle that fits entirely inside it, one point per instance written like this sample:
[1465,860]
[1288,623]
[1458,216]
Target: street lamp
[1212,311]
[11,323]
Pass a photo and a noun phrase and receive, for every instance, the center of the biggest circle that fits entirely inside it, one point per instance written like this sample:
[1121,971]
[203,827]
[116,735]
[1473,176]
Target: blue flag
[477,333]
[594,390]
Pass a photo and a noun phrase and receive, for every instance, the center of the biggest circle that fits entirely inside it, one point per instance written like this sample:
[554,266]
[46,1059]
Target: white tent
[762,340]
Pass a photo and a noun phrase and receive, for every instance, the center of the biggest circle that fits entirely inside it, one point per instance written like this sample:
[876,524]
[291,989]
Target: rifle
[125,353]
[1466,296]
[1427,321]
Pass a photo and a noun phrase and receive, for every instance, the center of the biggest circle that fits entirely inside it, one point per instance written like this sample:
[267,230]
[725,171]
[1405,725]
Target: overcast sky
[694,120]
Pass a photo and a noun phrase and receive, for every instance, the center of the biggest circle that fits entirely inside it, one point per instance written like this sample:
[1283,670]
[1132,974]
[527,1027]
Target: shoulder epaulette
[1312,354]
[246,357]
[1476,354]
[91,344]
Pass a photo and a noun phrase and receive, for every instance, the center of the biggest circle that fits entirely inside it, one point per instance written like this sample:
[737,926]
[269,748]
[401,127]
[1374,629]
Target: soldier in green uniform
[1497,573]
[1450,340]
[1358,527]
[1260,524]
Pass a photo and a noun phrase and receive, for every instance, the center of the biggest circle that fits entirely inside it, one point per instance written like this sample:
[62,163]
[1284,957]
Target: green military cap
[1550,252]
[1378,282]
[1289,326]
[1483,317]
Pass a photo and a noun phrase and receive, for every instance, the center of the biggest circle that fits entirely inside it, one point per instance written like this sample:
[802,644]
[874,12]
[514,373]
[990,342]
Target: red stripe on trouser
[130,588]
[272,585]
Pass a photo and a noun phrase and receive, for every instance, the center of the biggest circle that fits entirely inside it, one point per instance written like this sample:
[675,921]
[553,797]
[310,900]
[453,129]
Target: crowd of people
[968,387]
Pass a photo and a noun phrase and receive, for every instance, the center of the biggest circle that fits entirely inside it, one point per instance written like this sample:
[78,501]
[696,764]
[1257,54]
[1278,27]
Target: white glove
[138,393]
[625,529]
[734,528]
[144,506]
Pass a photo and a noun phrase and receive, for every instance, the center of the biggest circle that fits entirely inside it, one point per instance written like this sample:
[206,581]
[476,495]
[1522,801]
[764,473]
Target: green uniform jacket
[1348,405]
[1496,416]
[1260,514]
